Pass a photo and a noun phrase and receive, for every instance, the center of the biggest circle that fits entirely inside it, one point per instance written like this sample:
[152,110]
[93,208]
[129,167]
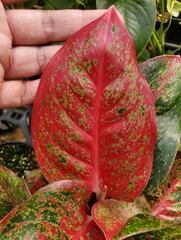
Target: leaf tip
[114,13]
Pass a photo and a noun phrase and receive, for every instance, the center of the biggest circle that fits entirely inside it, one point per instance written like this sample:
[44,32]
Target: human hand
[24,35]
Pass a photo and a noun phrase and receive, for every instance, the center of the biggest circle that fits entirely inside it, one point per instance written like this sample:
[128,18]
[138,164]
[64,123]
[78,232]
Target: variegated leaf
[13,191]
[164,76]
[111,215]
[94,116]
[166,199]
[57,211]
[142,223]
[138,15]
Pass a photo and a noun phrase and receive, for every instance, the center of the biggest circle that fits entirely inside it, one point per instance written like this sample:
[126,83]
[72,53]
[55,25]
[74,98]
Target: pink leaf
[94,116]
[167,204]
[111,215]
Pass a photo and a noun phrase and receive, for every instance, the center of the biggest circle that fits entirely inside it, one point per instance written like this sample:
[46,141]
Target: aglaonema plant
[106,132]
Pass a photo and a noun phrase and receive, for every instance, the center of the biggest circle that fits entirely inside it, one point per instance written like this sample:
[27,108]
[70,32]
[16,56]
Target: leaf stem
[170,20]
[157,44]
[102,194]
[81,3]
[162,21]
[152,47]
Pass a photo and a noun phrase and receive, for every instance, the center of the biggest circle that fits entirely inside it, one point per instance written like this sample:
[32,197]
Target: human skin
[25,38]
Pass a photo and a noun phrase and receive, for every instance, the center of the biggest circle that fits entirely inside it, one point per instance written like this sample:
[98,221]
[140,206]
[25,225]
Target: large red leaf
[93,116]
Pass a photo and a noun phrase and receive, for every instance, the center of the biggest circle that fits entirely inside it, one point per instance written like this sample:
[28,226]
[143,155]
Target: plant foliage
[101,113]
[94,132]
[138,15]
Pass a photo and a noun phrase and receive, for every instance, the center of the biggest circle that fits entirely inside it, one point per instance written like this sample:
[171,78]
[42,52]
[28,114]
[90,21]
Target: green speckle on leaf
[95,62]
[79,91]
[78,138]
[49,145]
[131,186]
[63,158]
[79,68]
[142,110]
[88,65]
[81,121]
[113,28]
[86,42]
[121,110]
[81,109]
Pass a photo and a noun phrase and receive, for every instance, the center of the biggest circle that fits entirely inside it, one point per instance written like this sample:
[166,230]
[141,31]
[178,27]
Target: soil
[15,154]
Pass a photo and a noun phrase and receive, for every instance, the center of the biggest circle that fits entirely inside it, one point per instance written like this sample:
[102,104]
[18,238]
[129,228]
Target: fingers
[17,93]
[29,61]
[30,27]
[4,28]
[5,36]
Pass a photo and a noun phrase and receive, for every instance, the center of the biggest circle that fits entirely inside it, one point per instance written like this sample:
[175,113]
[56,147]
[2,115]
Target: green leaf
[166,148]
[145,55]
[30,4]
[143,223]
[56,211]
[174,7]
[164,76]
[91,4]
[58,4]
[13,191]
[48,6]
[5,203]
[139,17]
[171,233]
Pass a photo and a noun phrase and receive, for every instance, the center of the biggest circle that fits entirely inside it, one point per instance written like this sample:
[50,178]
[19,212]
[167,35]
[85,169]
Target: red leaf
[167,204]
[111,215]
[56,211]
[94,116]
